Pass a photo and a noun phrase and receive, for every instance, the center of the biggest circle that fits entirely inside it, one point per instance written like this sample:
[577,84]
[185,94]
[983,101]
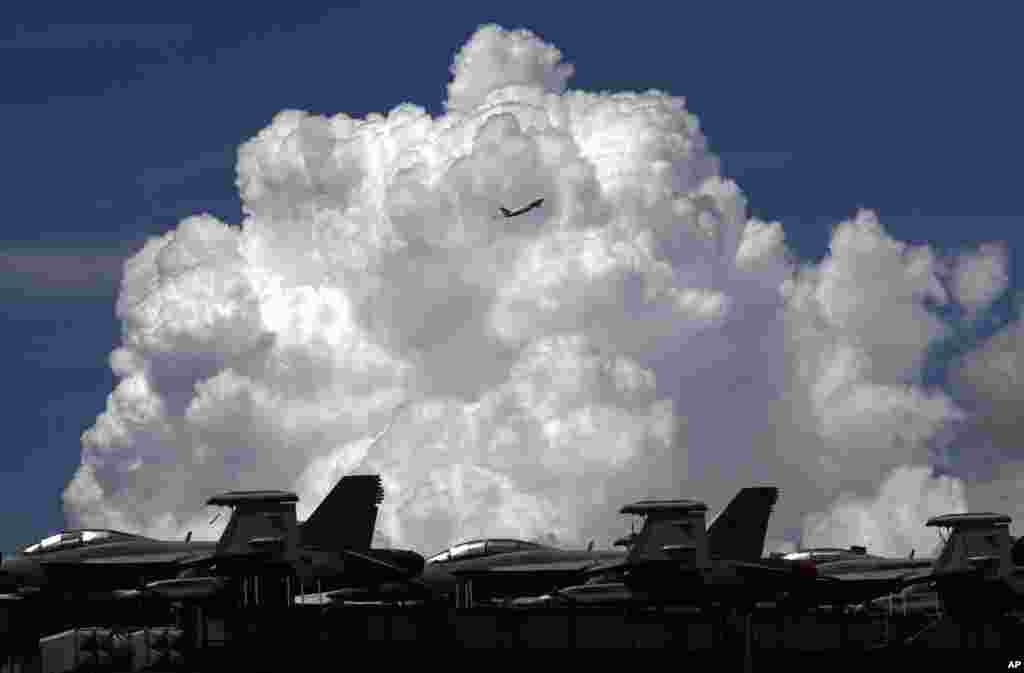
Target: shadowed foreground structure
[262,619]
[280,637]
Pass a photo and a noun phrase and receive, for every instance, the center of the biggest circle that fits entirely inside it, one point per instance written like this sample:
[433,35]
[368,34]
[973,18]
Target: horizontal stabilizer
[186,589]
[681,551]
[392,570]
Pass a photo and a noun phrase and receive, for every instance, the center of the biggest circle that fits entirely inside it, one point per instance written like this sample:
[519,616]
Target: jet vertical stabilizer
[738,532]
[346,518]
[261,521]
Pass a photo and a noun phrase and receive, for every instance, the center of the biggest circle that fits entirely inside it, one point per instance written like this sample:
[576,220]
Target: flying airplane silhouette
[512,213]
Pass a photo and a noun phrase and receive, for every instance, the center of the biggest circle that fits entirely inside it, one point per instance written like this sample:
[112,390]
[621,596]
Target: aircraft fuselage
[108,565]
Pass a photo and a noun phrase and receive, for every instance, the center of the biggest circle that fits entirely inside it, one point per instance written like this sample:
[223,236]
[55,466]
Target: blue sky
[119,126]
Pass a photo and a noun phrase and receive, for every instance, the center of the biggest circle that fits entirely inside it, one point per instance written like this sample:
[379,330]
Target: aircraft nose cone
[15,572]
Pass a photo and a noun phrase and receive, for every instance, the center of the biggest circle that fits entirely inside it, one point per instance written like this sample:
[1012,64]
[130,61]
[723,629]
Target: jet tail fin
[738,532]
[505,211]
[346,518]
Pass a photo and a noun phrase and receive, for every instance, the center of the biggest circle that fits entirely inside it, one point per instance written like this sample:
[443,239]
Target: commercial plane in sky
[512,213]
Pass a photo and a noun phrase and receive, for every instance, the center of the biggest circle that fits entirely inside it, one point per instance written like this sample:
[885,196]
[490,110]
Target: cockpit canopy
[74,538]
[476,548]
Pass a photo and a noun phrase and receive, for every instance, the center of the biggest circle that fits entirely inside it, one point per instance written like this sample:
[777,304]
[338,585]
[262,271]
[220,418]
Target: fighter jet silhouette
[512,213]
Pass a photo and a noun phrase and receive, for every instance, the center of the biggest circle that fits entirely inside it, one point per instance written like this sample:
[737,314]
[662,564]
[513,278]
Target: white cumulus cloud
[638,335]
[893,522]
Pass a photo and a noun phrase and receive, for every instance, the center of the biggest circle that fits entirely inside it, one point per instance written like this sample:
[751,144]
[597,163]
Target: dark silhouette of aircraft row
[518,567]
[673,558]
[332,546]
[980,570]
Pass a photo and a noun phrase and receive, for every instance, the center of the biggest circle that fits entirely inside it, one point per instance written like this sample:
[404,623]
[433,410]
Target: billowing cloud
[980,277]
[991,380]
[990,451]
[638,335]
[496,58]
[1000,492]
[893,521]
